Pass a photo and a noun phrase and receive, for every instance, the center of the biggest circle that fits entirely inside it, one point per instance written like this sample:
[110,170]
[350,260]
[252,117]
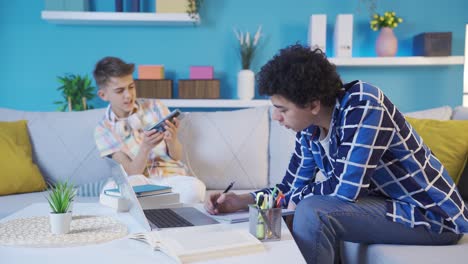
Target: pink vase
[386,44]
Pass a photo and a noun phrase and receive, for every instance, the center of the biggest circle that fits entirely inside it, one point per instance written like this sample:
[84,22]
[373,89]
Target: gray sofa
[242,145]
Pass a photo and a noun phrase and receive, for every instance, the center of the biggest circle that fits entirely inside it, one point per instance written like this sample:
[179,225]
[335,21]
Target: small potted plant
[246,78]
[76,91]
[60,200]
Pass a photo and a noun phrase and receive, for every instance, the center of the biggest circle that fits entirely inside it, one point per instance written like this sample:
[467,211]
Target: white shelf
[118,18]
[398,61]
[214,103]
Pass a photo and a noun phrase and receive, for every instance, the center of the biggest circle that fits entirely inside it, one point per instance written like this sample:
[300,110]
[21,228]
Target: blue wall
[33,52]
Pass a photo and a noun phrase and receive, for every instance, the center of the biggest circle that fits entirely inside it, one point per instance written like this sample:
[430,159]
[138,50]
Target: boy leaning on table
[359,171]
[121,134]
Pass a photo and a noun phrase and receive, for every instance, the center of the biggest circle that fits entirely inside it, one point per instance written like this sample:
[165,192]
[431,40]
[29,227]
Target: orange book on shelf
[150,72]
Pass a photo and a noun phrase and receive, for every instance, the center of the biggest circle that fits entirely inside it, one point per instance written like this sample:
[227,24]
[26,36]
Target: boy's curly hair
[300,75]
[109,67]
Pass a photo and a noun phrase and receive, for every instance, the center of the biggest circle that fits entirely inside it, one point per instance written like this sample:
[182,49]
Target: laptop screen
[126,191]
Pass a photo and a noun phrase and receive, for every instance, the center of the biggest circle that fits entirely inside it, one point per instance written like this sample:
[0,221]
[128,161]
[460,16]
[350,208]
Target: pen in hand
[225,191]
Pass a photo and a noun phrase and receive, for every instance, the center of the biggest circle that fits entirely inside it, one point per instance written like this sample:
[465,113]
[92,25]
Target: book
[142,190]
[242,216]
[148,202]
[185,245]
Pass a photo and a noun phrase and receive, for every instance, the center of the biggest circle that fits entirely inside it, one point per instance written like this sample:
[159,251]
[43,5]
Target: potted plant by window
[76,91]
[60,200]
[246,77]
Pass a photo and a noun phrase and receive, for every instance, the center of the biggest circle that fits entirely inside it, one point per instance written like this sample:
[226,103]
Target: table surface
[130,251]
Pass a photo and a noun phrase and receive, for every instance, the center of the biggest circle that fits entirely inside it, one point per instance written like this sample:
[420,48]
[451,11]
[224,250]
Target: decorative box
[150,72]
[433,44]
[160,89]
[199,89]
[201,72]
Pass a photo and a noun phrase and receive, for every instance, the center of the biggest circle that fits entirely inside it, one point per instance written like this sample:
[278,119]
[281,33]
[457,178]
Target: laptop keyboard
[165,218]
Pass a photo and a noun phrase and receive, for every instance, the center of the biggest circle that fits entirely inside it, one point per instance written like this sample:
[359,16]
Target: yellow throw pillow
[18,172]
[448,140]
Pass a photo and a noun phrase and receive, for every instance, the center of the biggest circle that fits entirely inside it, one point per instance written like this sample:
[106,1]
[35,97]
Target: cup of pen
[265,224]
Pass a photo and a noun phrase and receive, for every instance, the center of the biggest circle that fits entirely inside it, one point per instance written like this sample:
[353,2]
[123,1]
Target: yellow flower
[376,16]
[400,20]
[393,13]
[381,19]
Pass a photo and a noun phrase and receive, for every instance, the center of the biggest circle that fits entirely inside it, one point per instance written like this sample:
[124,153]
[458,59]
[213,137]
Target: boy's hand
[225,203]
[151,139]
[170,135]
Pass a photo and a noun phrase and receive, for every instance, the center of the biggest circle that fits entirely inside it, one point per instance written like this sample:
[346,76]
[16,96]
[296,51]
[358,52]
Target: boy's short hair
[111,67]
[300,75]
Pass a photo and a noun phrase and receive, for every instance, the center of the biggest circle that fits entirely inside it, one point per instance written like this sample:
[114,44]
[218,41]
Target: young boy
[121,133]
[359,171]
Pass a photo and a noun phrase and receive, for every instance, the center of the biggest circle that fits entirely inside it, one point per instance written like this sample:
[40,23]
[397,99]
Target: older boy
[121,134]
[359,171]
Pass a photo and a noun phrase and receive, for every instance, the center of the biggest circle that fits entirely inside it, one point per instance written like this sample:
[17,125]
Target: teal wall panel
[34,52]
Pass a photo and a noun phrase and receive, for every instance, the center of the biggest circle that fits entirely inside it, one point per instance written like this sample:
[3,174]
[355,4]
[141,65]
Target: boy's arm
[301,168]
[367,133]
[138,164]
[174,147]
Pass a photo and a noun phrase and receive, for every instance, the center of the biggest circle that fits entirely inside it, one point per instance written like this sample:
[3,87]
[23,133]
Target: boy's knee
[191,190]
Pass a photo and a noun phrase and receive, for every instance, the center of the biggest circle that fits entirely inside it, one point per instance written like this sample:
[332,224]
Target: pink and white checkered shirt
[114,134]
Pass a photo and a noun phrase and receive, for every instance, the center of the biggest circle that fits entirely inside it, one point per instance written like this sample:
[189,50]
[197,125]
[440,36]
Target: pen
[229,187]
[225,191]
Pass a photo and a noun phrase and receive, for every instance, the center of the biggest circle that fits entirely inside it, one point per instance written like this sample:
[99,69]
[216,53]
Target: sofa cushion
[460,113]
[282,141]
[353,253]
[463,183]
[223,146]
[438,113]
[448,140]
[63,144]
[18,174]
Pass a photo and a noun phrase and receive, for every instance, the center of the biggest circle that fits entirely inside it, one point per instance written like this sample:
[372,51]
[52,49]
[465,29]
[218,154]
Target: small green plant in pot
[60,200]
[76,91]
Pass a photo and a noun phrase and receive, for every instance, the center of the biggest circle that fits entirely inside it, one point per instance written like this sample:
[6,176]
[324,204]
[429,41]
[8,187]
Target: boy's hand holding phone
[152,138]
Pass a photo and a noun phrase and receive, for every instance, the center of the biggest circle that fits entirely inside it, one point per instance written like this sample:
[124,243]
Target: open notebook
[200,243]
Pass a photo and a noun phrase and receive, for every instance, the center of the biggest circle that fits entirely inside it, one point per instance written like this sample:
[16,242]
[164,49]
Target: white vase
[60,223]
[245,84]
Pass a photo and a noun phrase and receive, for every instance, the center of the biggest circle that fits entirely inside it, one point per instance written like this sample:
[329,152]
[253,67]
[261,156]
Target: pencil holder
[265,224]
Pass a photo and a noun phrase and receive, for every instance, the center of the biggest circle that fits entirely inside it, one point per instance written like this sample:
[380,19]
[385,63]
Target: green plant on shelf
[76,91]
[388,19]
[193,8]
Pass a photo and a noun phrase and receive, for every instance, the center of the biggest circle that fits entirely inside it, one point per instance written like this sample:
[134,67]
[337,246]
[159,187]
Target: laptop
[156,218]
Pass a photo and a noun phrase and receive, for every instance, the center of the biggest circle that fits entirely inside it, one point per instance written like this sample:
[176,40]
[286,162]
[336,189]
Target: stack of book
[150,196]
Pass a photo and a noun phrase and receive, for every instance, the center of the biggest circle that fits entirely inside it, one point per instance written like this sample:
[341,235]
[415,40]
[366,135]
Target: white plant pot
[246,84]
[60,223]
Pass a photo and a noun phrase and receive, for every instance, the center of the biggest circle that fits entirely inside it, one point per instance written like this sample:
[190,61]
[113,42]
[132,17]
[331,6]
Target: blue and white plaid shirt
[373,149]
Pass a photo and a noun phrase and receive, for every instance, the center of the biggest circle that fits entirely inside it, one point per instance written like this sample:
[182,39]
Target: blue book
[142,190]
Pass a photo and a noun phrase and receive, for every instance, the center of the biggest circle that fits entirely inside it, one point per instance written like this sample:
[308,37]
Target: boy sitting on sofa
[149,156]
[359,172]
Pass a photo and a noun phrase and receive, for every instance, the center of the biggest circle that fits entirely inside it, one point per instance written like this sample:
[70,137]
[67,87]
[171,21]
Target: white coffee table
[129,251]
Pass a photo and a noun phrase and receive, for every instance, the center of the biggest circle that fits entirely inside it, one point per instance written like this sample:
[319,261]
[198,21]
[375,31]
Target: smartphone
[161,124]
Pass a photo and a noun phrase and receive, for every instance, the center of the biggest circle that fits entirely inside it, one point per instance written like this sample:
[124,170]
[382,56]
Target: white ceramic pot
[60,223]
[245,84]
